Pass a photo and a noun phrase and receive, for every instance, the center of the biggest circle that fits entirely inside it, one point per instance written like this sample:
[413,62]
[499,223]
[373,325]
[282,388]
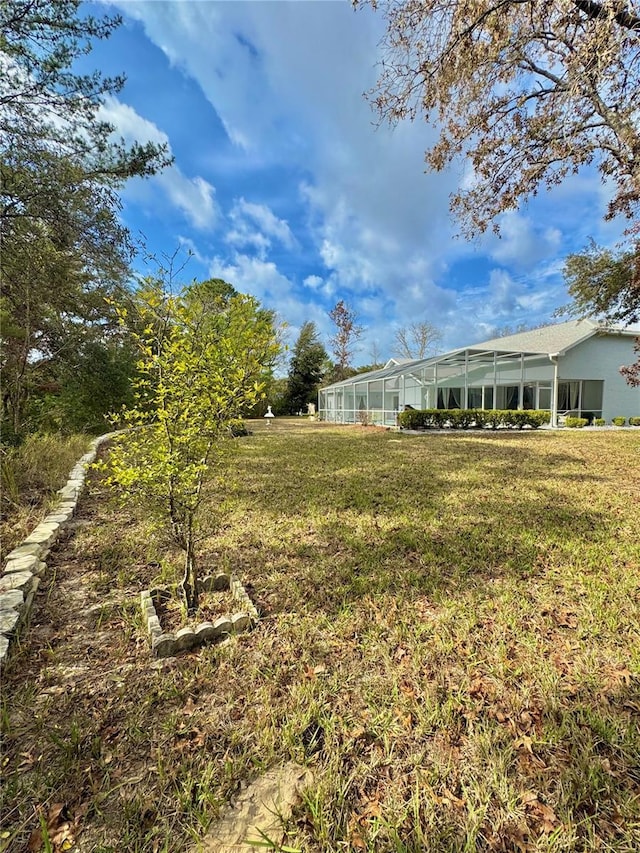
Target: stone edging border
[25,565]
[164,645]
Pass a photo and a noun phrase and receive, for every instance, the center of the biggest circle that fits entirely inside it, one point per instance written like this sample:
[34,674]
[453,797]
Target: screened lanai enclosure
[469,380]
[565,375]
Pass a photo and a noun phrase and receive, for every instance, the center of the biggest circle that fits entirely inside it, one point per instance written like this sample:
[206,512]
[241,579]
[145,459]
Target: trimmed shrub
[618,421]
[634,421]
[465,418]
[479,418]
[494,418]
[412,419]
[461,418]
[576,423]
[599,421]
[538,418]
[518,419]
[237,428]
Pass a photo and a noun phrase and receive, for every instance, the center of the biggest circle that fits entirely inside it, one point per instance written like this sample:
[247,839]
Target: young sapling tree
[204,356]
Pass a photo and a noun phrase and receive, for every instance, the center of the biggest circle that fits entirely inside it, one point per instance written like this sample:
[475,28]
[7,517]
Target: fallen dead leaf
[189,707]
[549,819]
[524,742]
[448,798]
[372,809]
[565,619]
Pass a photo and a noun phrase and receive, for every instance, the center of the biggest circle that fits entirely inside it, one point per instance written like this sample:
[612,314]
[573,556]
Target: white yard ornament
[269,415]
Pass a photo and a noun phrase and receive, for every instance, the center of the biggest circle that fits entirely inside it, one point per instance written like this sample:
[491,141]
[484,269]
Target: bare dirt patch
[211,605]
[260,813]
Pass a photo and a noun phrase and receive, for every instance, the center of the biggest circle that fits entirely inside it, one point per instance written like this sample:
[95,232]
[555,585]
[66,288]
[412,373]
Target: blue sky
[284,186]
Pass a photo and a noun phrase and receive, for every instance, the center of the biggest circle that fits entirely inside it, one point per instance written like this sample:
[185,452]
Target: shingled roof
[546,339]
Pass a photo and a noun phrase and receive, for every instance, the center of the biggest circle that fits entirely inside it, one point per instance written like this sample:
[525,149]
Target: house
[567,368]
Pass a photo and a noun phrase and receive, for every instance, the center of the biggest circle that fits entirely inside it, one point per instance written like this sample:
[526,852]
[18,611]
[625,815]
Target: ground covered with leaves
[450,636]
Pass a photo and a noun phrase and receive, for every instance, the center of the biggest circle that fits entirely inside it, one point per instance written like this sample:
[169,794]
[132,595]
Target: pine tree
[306,369]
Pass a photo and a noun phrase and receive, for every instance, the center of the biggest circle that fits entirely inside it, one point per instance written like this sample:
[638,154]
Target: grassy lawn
[451,638]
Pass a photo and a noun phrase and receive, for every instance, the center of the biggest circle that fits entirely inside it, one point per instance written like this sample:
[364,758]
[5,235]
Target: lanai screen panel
[360,392]
[412,391]
[376,394]
[349,403]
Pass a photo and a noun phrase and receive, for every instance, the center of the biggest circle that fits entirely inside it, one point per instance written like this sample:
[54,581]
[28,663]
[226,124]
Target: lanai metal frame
[435,373]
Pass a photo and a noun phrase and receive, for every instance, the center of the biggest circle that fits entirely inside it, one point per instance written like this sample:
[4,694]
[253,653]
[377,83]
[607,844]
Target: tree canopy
[528,91]
[306,369]
[64,248]
[606,284]
[50,113]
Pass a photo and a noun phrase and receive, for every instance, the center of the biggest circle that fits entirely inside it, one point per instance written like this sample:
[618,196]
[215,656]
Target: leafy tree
[202,358]
[95,379]
[365,368]
[308,361]
[53,289]
[528,91]
[606,284]
[50,114]
[418,340]
[63,246]
[343,341]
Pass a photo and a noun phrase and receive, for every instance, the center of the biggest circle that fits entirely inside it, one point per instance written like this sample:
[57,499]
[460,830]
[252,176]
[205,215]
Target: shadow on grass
[329,520]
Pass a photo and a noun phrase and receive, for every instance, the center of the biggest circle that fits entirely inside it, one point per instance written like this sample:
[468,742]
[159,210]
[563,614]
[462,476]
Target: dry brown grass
[30,475]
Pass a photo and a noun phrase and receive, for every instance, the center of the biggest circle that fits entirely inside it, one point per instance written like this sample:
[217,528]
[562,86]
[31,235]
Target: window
[568,396]
[544,398]
[449,398]
[582,397]
[592,395]
[528,396]
[475,398]
[507,396]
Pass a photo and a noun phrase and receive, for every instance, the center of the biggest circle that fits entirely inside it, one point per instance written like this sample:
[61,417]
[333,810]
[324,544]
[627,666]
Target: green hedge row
[466,418]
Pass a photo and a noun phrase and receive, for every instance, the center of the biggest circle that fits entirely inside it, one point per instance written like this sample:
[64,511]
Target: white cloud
[315,282]
[258,277]
[254,225]
[266,219]
[195,197]
[522,242]
[243,237]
